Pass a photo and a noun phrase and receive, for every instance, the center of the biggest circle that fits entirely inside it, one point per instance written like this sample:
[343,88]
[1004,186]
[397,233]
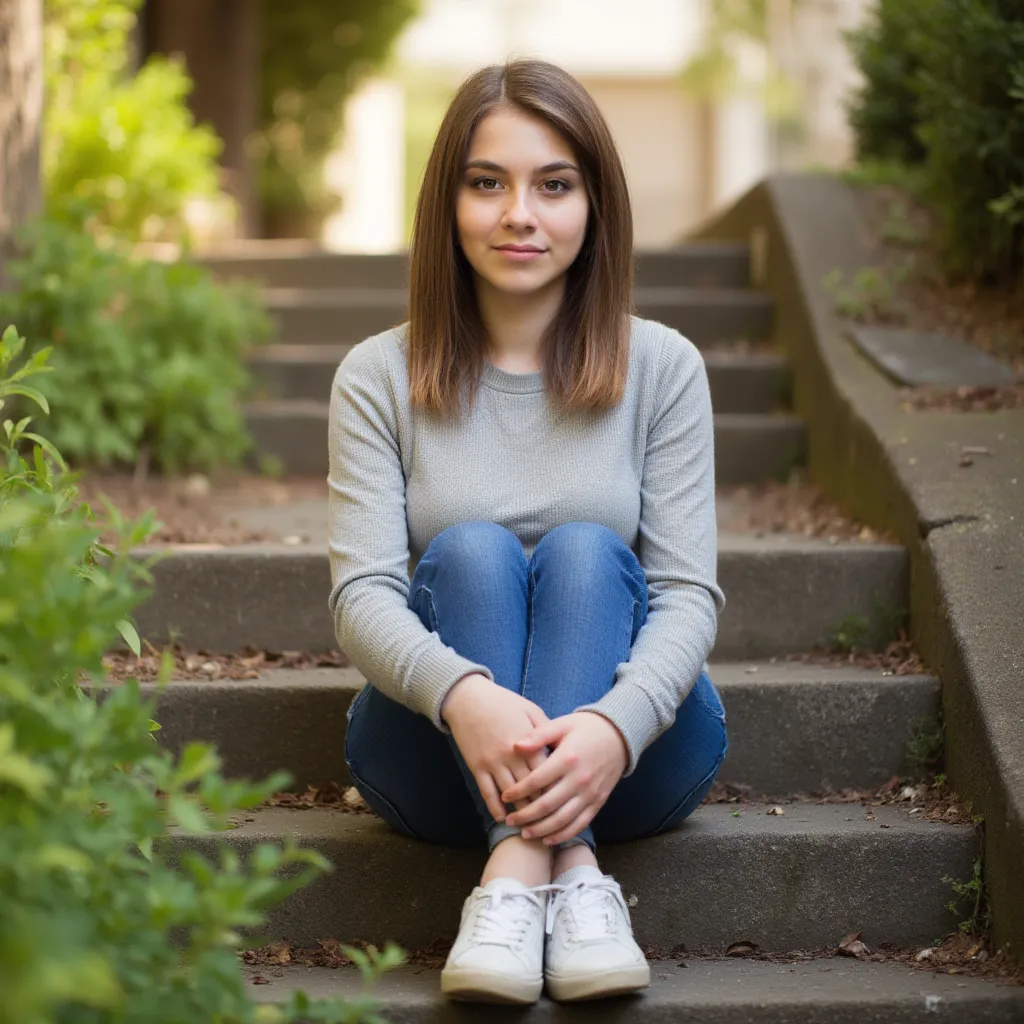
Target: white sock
[585,872]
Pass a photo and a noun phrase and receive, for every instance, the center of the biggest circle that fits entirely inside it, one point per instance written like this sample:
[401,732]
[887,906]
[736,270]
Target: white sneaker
[498,956]
[591,951]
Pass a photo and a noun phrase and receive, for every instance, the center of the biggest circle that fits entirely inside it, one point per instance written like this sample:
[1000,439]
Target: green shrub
[96,926]
[121,152]
[971,96]
[945,88]
[148,356]
[883,112]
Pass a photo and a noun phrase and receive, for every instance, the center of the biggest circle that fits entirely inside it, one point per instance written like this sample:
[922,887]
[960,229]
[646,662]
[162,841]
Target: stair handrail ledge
[900,470]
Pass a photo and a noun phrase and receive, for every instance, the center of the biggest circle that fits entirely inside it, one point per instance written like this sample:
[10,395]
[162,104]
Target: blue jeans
[552,628]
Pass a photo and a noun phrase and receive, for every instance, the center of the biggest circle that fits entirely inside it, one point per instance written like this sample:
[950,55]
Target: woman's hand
[486,720]
[565,792]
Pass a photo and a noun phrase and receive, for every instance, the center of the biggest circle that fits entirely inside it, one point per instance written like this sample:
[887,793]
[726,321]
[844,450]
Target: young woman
[542,462]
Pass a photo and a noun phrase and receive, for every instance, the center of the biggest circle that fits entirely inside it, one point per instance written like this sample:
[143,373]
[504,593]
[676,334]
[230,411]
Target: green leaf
[29,392]
[187,814]
[131,636]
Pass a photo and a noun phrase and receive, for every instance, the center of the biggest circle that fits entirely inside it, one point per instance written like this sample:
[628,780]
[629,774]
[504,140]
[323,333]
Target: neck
[515,324]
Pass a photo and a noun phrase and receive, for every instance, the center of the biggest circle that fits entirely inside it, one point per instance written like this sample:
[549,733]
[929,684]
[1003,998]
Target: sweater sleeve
[368,544]
[678,552]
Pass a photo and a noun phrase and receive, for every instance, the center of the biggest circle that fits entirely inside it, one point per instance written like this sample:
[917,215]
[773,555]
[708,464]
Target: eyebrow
[489,165]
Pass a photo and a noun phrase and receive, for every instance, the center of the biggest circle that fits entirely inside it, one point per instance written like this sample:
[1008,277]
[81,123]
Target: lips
[519,248]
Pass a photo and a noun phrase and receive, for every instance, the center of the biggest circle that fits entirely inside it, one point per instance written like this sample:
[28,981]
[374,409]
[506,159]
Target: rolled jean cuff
[499,831]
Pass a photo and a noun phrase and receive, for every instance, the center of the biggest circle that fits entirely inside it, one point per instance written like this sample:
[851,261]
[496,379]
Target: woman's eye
[565,186]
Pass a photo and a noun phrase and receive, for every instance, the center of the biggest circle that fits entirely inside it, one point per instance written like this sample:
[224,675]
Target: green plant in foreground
[98,923]
[973,893]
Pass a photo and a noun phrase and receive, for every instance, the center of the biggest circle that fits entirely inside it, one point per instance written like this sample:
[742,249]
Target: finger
[506,775]
[547,734]
[546,774]
[573,829]
[544,805]
[536,715]
[556,822]
[489,791]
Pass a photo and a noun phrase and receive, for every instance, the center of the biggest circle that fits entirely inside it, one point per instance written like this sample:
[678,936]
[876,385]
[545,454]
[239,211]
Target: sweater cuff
[436,673]
[629,709]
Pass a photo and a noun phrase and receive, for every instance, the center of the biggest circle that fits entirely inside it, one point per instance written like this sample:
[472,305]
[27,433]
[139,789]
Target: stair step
[792,727]
[784,594]
[725,991]
[740,382]
[749,447]
[305,265]
[797,881]
[336,316]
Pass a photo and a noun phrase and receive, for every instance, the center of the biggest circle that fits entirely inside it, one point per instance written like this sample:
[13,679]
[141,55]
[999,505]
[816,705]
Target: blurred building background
[703,97]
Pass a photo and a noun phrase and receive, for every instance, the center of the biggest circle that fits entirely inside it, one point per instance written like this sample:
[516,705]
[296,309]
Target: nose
[518,212]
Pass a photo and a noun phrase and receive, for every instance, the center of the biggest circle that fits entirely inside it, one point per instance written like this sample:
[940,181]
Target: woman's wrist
[460,690]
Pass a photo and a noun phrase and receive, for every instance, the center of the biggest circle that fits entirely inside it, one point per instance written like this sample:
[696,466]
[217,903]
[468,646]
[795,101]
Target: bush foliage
[944,87]
[148,355]
[121,151]
[97,925]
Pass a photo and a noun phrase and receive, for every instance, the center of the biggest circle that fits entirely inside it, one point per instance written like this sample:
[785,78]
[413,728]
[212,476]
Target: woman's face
[521,185]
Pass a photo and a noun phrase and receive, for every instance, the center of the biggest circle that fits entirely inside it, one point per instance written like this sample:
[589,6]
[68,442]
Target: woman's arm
[678,550]
[369,544]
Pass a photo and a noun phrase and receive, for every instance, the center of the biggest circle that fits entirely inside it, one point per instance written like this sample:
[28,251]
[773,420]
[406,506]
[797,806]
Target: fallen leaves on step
[332,795]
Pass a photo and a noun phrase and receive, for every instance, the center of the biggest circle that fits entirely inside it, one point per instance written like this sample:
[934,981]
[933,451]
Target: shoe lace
[591,905]
[505,917]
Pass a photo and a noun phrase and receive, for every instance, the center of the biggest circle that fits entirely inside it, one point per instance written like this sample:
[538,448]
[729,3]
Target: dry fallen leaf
[851,945]
[354,800]
[775,810]
[278,953]
[742,948]
[260,980]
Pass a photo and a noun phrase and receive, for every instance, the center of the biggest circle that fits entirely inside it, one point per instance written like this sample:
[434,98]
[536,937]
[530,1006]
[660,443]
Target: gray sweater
[644,468]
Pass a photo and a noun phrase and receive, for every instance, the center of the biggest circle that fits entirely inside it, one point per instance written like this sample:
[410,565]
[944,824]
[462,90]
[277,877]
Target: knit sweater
[644,468]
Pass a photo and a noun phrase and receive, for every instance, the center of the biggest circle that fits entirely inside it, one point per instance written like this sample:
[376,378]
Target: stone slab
[725,991]
[916,358]
[749,448]
[784,595]
[792,727]
[798,881]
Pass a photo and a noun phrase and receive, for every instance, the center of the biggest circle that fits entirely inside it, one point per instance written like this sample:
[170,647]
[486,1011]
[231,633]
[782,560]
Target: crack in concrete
[925,526]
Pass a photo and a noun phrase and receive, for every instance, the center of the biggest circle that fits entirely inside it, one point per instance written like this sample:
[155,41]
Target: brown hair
[585,351]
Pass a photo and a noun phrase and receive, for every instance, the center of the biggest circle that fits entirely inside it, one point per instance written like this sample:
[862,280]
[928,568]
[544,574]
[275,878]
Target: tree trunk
[21,111]
[221,46]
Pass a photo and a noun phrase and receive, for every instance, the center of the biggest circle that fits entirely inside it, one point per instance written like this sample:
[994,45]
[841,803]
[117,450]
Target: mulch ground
[958,953]
[990,318]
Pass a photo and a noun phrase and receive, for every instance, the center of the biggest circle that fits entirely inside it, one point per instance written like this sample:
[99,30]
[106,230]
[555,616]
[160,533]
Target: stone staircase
[797,881]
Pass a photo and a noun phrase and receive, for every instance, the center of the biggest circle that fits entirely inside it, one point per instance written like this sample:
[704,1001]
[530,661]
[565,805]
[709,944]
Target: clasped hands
[557,773]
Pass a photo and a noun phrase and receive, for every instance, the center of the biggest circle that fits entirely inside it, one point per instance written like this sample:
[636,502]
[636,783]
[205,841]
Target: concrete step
[784,594]
[740,382]
[797,881]
[714,991]
[335,316]
[289,264]
[792,727]
[749,447]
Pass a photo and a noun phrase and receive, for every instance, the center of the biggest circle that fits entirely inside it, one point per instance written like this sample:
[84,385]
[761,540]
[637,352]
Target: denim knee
[474,548]
[597,555]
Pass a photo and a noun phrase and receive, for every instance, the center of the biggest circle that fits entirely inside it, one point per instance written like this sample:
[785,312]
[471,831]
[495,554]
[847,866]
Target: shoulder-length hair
[585,351]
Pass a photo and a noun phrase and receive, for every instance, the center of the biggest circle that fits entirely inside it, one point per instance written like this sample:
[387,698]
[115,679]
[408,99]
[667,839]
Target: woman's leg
[470,587]
[588,602]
